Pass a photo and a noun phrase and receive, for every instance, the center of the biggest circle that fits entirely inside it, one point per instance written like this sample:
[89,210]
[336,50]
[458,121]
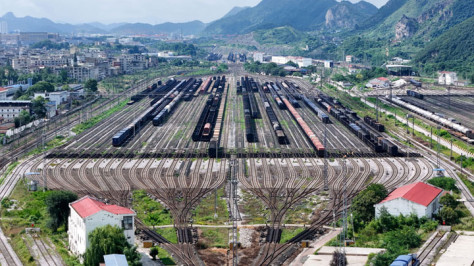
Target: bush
[445,183]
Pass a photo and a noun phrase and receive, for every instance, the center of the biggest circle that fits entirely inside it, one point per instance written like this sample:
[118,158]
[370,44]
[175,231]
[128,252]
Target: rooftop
[87,206]
[420,193]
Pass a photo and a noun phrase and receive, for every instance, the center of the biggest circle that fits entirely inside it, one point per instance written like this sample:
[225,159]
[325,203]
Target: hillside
[422,19]
[302,15]
[187,28]
[31,24]
[234,11]
[453,50]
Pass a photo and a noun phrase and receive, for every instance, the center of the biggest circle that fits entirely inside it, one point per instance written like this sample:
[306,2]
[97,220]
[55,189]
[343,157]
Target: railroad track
[430,247]
[49,258]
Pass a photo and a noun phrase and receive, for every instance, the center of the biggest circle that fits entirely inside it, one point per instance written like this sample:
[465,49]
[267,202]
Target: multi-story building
[27,38]
[11,109]
[3,27]
[88,213]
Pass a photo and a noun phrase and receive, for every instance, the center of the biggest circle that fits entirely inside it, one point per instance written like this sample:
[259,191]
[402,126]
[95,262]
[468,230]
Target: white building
[447,78]
[304,62]
[349,58]
[328,64]
[258,57]
[281,60]
[58,97]
[418,198]
[11,109]
[88,213]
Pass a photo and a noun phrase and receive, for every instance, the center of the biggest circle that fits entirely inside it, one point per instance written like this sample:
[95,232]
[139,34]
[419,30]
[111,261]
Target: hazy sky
[110,11]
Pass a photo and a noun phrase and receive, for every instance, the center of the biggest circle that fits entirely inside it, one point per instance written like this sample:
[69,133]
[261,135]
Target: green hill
[452,50]
[302,15]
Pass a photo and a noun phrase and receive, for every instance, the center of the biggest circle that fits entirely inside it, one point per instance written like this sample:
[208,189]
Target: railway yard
[180,140]
[458,107]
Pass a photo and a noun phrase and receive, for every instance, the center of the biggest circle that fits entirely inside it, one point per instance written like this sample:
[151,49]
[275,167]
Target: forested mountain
[303,15]
[31,24]
[187,28]
[452,50]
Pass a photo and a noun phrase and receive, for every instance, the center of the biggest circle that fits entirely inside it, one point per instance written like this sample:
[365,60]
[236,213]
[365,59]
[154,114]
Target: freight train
[306,129]
[277,129]
[469,133]
[204,129]
[139,96]
[129,131]
[188,89]
[374,124]
[360,128]
[416,83]
[324,117]
[415,94]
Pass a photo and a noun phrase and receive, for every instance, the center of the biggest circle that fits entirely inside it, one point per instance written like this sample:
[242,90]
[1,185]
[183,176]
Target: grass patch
[289,233]
[254,209]
[169,233]
[28,208]
[165,257]
[9,170]
[469,184]
[204,213]
[213,237]
[151,212]
[96,119]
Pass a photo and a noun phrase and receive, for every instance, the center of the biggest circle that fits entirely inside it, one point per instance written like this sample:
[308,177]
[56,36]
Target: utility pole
[437,148]
[344,214]
[431,137]
[451,155]
[449,97]
[377,109]
[325,173]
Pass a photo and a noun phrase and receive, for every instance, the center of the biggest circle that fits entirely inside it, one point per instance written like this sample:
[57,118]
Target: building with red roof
[417,198]
[88,213]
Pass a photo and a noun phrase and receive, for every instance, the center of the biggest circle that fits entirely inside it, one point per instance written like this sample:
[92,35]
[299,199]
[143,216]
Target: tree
[107,240]
[363,203]
[18,94]
[57,205]
[448,201]
[41,86]
[448,215]
[38,107]
[445,183]
[63,76]
[22,119]
[91,85]
[133,257]
[291,63]
[154,252]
